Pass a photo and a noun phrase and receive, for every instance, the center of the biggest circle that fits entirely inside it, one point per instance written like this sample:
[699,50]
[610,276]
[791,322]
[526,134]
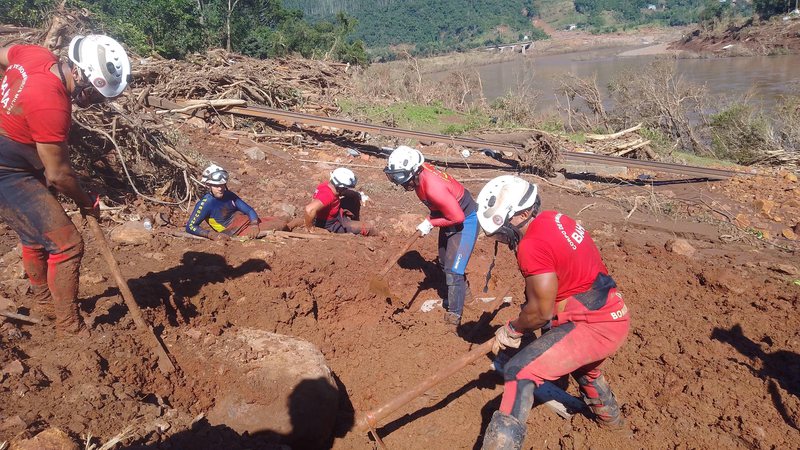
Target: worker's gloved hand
[252,231]
[425,227]
[215,236]
[506,336]
[93,209]
[364,198]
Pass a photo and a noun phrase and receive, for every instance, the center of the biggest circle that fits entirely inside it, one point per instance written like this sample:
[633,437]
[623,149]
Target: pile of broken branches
[128,149]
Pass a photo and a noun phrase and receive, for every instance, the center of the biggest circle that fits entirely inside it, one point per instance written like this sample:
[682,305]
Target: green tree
[768,8]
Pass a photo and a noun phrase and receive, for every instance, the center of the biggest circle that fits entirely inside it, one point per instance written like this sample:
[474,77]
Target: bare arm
[311,211]
[4,57]
[59,173]
[540,300]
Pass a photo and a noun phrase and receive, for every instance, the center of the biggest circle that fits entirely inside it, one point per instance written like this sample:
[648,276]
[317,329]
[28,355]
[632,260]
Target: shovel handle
[371,418]
[397,257]
[164,362]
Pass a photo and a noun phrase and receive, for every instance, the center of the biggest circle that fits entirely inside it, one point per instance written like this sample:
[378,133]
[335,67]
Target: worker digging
[36,97]
[569,295]
[336,206]
[452,210]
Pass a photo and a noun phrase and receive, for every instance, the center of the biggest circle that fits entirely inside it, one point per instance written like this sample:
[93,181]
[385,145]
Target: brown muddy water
[765,77]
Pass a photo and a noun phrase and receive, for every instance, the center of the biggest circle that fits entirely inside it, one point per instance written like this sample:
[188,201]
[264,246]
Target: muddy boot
[43,301]
[504,433]
[452,322]
[597,394]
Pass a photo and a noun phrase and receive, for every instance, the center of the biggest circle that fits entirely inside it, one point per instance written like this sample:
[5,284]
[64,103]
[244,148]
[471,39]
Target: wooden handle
[164,362]
[371,418]
[393,261]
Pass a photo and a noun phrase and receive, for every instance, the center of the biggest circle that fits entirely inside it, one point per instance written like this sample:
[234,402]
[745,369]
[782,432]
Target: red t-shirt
[442,194]
[555,243]
[34,105]
[330,202]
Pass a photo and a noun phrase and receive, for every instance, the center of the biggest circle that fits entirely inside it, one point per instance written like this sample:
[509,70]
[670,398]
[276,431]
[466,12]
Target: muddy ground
[712,360]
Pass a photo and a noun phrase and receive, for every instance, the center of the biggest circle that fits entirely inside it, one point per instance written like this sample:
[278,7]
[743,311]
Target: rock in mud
[255,153]
[131,233]
[15,367]
[49,439]
[270,384]
[680,247]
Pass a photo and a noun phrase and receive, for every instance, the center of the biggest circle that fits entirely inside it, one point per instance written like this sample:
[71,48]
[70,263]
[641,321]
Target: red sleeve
[534,258]
[442,200]
[325,196]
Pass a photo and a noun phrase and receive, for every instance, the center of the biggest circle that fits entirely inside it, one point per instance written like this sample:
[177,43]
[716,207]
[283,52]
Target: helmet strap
[61,74]
[491,267]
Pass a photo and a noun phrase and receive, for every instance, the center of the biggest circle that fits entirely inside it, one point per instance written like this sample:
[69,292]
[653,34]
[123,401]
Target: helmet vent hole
[492,201]
[111,68]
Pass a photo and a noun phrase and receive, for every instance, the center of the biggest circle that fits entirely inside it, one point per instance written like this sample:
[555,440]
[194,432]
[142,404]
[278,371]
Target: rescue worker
[452,210]
[336,206]
[566,285]
[227,214]
[36,96]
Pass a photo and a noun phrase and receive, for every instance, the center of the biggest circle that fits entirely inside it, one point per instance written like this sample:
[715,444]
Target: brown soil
[712,361]
[744,39]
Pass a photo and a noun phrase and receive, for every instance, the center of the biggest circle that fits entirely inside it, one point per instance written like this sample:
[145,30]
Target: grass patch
[702,161]
[433,118]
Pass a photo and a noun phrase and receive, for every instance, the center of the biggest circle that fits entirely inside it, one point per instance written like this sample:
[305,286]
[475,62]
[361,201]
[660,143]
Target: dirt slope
[711,362]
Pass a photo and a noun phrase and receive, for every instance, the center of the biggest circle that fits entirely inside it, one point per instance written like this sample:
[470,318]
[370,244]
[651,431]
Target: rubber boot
[504,433]
[43,301]
[452,319]
[597,394]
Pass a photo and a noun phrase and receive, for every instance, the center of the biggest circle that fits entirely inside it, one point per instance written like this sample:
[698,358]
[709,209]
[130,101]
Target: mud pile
[711,361]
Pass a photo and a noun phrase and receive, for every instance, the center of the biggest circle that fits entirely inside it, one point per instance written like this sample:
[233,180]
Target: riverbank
[560,42]
[745,38]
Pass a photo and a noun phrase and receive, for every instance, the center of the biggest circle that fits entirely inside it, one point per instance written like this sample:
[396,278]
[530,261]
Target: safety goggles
[218,177]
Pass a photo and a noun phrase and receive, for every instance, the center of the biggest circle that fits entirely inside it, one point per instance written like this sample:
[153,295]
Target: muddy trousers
[344,224]
[240,224]
[51,245]
[456,243]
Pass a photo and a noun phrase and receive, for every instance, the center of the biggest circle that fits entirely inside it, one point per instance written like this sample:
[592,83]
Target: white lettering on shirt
[564,233]
[5,93]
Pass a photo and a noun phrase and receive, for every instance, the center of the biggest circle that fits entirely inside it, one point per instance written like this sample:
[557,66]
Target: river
[766,77]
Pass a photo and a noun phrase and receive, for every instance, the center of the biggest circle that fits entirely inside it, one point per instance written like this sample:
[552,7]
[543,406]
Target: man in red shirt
[36,93]
[452,210]
[326,210]
[566,286]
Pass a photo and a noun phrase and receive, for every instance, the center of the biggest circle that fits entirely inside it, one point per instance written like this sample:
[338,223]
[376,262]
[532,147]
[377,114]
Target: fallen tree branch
[605,137]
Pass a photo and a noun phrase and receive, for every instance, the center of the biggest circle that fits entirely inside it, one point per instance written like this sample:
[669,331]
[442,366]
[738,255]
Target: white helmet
[501,198]
[103,61]
[214,175]
[404,162]
[343,178]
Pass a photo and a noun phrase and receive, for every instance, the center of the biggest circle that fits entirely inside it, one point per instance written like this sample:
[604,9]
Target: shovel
[377,284]
[164,362]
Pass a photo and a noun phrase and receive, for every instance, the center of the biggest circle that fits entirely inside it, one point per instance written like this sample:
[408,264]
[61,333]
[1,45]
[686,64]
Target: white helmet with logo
[403,163]
[501,198]
[214,175]
[343,178]
[103,61]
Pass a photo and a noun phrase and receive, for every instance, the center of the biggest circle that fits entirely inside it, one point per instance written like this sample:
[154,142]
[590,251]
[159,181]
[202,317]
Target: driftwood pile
[626,143]
[127,146]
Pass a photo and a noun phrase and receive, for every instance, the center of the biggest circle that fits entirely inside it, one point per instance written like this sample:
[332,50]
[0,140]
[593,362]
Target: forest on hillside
[175,28]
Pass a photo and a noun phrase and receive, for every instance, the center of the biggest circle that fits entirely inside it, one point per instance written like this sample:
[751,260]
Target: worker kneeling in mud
[336,206]
[566,286]
[452,210]
[227,214]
